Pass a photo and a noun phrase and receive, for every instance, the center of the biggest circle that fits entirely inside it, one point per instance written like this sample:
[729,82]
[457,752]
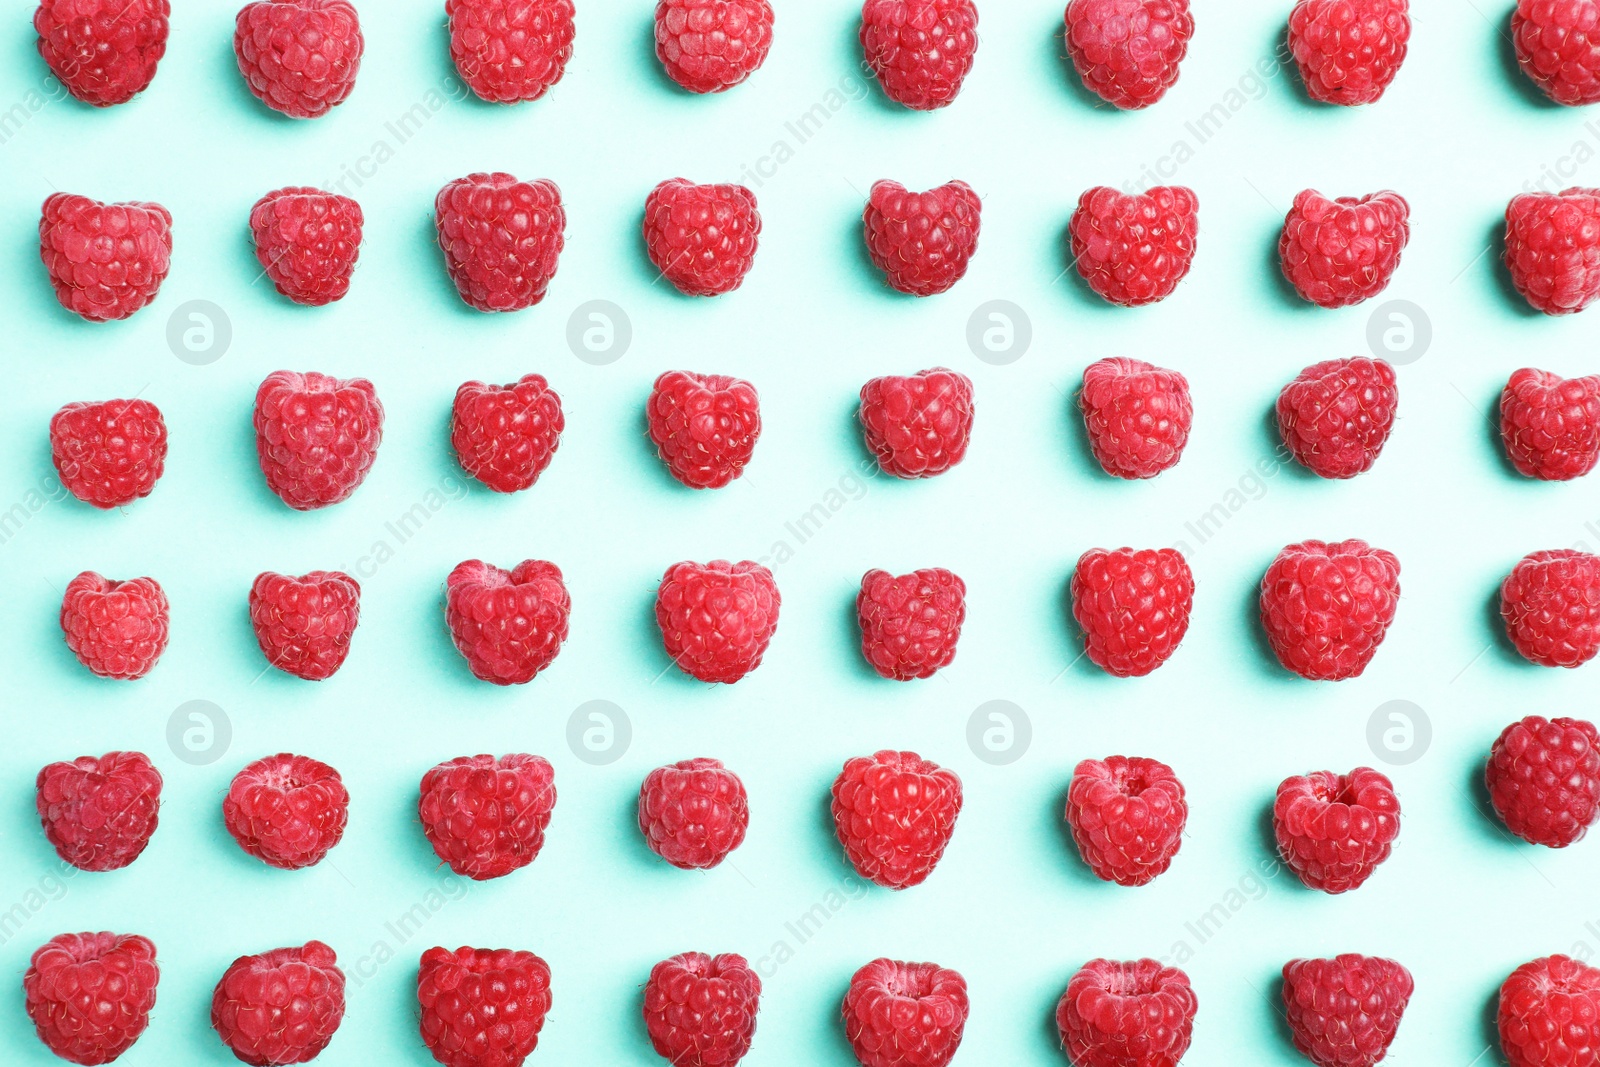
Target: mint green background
[1011,906]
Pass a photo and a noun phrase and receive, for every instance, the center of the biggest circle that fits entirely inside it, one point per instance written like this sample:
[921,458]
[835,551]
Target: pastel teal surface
[1011,906]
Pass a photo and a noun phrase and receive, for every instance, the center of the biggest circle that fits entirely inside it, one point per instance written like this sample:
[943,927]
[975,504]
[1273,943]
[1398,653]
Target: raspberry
[1547,1013]
[919,425]
[717,618]
[1551,606]
[920,50]
[299,57]
[104,51]
[506,435]
[1344,1012]
[1348,51]
[705,426]
[1134,248]
[509,625]
[110,453]
[922,242]
[899,1014]
[280,1007]
[1326,607]
[316,436]
[910,623]
[1550,425]
[702,238]
[1334,829]
[1544,779]
[1133,607]
[486,817]
[895,813]
[304,624]
[693,813]
[99,814]
[1132,1014]
[90,995]
[1127,816]
[1127,51]
[287,811]
[307,242]
[1343,251]
[1553,248]
[709,46]
[1557,48]
[482,1007]
[700,1011]
[502,238]
[106,261]
[118,629]
[1137,415]
[510,50]
[1337,415]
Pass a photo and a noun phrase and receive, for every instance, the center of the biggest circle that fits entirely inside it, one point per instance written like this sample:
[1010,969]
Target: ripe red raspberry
[280,1007]
[307,242]
[482,1007]
[922,242]
[705,426]
[118,629]
[717,618]
[1553,248]
[99,813]
[287,811]
[1127,816]
[1544,779]
[709,46]
[1137,415]
[1345,1011]
[693,813]
[106,261]
[316,436]
[1551,606]
[1343,251]
[1127,51]
[702,238]
[304,624]
[910,623]
[1134,248]
[895,813]
[510,50]
[1127,1014]
[920,50]
[899,1014]
[502,238]
[110,453]
[90,995]
[104,51]
[917,425]
[1348,51]
[299,57]
[1334,829]
[486,817]
[1550,425]
[1337,415]
[700,1011]
[1547,1013]
[509,625]
[1326,607]
[1557,48]
[1133,607]
[506,435]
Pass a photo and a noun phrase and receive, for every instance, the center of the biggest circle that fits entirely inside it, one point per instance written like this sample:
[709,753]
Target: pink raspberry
[100,813]
[1345,1011]
[1127,816]
[910,623]
[486,817]
[508,625]
[1127,51]
[1133,607]
[717,618]
[1551,606]
[1343,251]
[709,46]
[118,629]
[1558,48]
[90,995]
[922,242]
[1553,248]
[693,813]
[105,261]
[1336,416]
[704,426]
[899,1014]
[1133,1014]
[287,811]
[920,50]
[1550,425]
[1547,1011]
[510,50]
[304,624]
[502,238]
[299,57]
[702,238]
[1137,415]
[918,425]
[1326,607]
[1334,829]
[1544,779]
[895,813]
[316,436]
[109,453]
[280,1007]
[104,51]
[1134,248]
[700,1010]
[307,242]
[482,1007]
[506,435]
[1348,51]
